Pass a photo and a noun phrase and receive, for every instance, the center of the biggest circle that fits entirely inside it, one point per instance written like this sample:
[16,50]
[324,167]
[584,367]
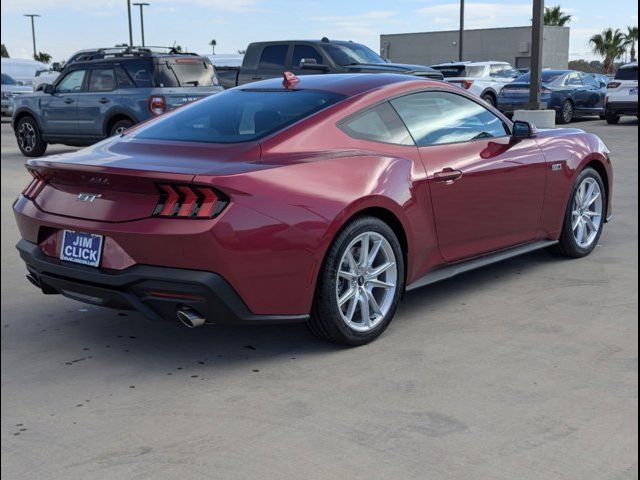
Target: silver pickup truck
[103,94]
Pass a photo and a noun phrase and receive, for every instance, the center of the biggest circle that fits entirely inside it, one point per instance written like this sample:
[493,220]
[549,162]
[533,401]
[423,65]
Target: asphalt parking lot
[524,370]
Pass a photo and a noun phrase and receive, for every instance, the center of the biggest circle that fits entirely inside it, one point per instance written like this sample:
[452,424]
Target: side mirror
[48,88]
[522,130]
[312,64]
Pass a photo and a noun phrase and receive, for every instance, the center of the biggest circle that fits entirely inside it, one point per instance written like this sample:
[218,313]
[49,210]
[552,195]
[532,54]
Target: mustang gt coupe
[319,199]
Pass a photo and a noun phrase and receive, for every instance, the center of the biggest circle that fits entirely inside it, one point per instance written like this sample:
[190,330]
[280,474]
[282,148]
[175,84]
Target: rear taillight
[189,201]
[466,84]
[157,104]
[613,84]
[35,186]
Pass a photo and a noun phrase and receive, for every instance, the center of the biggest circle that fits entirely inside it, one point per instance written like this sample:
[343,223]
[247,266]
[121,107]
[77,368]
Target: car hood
[22,89]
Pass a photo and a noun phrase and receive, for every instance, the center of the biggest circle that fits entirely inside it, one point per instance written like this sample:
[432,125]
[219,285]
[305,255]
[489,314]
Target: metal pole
[536,56]
[33,32]
[142,5]
[461,33]
[129,16]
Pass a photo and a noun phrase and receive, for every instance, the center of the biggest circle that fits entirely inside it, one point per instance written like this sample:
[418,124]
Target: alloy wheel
[586,212]
[366,283]
[27,136]
[567,112]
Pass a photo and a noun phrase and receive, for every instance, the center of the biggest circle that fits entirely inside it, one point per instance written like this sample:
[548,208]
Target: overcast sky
[70,25]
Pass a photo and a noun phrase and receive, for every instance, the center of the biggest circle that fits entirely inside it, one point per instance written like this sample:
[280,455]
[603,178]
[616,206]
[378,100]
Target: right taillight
[157,104]
[613,84]
[35,186]
[189,201]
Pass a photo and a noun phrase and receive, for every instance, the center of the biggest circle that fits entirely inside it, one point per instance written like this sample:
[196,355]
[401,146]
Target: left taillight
[35,186]
[157,104]
[189,201]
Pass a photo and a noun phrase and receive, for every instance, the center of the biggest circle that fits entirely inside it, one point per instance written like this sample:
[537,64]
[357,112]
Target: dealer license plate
[83,248]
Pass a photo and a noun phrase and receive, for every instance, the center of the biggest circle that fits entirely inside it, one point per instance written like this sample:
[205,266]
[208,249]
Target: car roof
[630,65]
[126,58]
[348,84]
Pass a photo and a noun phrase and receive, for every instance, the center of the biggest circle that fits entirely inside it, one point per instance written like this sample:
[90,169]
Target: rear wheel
[359,285]
[565,115]
[120,126]
[29,138]
[584,218]
[612,119]
[489,99]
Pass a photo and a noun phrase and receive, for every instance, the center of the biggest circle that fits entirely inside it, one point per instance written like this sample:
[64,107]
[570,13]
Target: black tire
[326,319]
[120,126]
[489,99]
[612,119]
[568,246]
[565,115]
[29,137]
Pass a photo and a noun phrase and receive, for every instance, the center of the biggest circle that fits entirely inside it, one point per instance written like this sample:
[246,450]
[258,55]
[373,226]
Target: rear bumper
[156,292]
[622,108]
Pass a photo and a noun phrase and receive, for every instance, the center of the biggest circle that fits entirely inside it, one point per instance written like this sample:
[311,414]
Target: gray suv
[106,93]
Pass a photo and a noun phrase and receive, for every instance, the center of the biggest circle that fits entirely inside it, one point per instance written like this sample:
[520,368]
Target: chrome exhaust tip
[190,318]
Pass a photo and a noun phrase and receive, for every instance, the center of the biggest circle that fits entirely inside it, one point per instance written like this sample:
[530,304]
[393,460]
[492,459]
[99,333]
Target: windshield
[238,115]
[352,54]
[449,71]
[629,73]
[547,77]
[186,72]
[7,80]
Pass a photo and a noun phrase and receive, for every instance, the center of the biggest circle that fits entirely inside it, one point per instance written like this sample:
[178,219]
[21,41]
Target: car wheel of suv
[359,285]
[584,218]
[489,99]
[120,126]
[612,119]
[29,138]
[565,115]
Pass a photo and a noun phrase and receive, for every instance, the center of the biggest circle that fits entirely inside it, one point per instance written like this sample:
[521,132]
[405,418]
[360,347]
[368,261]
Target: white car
[22,70]
[622,94]
[484,79]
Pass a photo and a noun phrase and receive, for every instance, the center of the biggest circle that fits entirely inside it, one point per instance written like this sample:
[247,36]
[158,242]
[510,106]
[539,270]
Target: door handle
[68,100]
[104,100]
[447,175]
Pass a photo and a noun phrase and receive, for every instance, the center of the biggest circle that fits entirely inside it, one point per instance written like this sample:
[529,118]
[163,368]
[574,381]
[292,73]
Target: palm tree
[213,44]
[5,53]
[632,37]
[42,57]
[553,16]
[610,44]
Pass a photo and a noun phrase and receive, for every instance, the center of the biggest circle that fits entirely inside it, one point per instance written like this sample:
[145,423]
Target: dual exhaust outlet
[190,318]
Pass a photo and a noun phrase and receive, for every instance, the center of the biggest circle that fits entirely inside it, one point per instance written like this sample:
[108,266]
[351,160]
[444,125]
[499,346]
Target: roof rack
[134,51]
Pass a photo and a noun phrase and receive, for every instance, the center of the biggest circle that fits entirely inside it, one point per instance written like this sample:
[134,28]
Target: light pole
[536,56]
[129,16]
[33,32]
[461,33]
[142,5]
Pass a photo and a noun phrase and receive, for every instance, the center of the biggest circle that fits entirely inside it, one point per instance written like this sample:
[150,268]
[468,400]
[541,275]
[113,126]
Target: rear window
[7,80]
[238,115]
[629,73]
[185,72]
[449,71]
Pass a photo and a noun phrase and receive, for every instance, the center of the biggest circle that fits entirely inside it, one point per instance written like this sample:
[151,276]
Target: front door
[60,109]
[487,190]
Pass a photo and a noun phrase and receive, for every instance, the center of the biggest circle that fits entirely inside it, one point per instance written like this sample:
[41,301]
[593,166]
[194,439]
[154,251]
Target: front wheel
[612,119]
[29,138]
[359,285]
[565,115]
[584,218]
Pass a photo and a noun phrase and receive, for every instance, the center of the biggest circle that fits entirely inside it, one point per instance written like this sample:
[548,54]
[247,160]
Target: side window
[378,124]
[434,118]
[496,70]
[274,56]
[72,82]
[573,79]
[590,81]
[124,80]
[305,51]
[102,80]
[140,72]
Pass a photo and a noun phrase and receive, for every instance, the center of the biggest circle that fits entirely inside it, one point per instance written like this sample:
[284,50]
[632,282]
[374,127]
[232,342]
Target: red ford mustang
[320,200]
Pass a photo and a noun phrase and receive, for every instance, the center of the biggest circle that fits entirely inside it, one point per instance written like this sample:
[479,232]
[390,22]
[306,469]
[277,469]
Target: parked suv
[483,79]
[95,98]
[622,94]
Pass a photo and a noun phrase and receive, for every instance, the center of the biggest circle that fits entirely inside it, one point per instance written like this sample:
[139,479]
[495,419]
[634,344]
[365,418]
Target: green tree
[632,37]
[241,52]
[42,57]
[5,53]
[213,44]
[610,44]
[554,16]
